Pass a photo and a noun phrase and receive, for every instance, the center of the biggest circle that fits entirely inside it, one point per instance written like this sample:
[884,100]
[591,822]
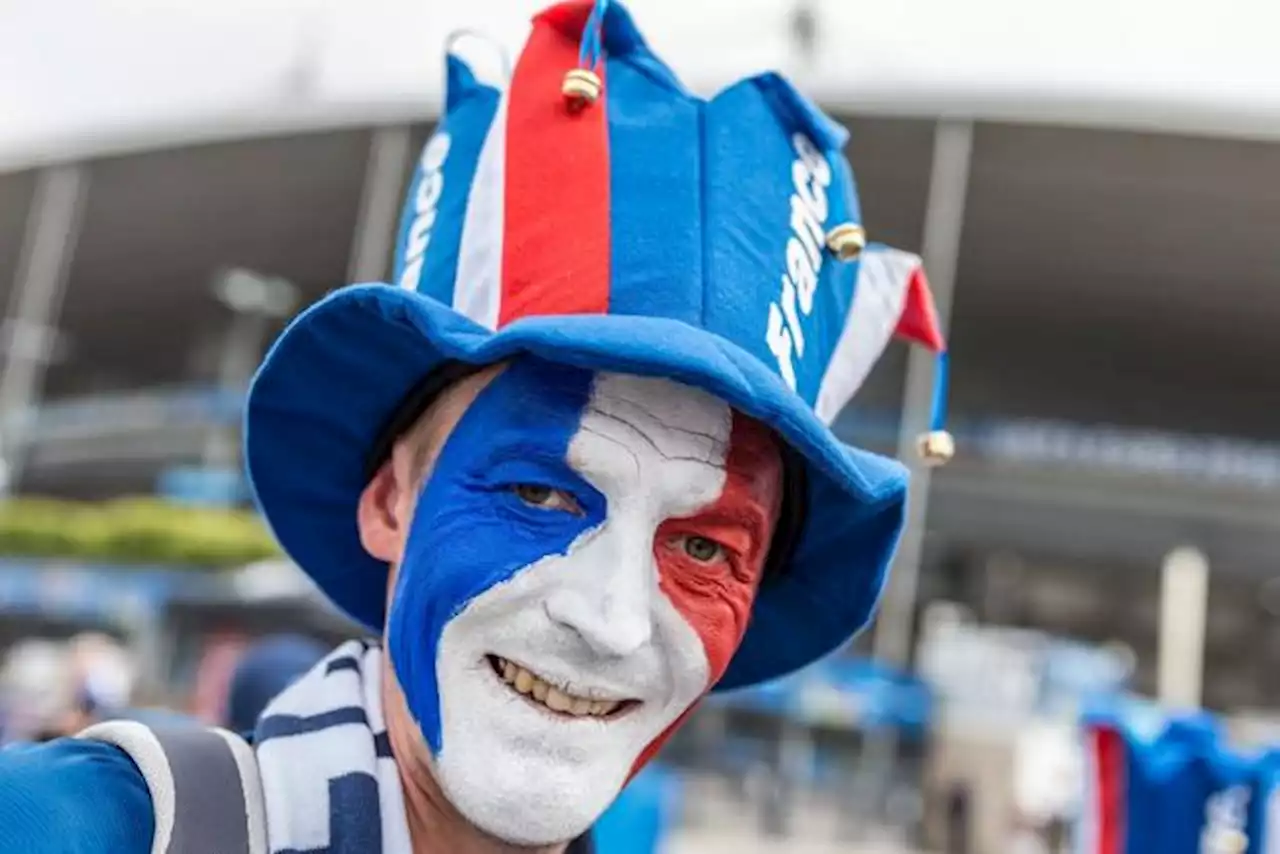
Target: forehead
[673,422]
[654,441]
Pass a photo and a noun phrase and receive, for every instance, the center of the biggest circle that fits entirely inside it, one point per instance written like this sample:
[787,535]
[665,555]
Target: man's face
[579,571]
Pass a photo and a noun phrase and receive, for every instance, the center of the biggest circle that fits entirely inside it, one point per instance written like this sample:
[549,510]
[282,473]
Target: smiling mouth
[552,698]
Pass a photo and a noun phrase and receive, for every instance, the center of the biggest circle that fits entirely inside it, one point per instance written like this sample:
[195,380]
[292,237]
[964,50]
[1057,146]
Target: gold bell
[846,241]
[581,87]
[936,448]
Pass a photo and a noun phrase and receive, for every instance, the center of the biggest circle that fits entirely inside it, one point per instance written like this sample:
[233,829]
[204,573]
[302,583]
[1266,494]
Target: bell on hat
[846,241]
[581,88]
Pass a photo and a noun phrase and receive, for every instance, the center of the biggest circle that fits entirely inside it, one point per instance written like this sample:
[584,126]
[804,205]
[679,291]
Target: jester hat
[593,212]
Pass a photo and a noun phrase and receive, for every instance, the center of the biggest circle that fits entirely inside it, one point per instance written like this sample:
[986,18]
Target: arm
[73,797]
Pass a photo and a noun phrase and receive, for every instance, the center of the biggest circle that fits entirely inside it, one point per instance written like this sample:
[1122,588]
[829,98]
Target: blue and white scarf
[328,777]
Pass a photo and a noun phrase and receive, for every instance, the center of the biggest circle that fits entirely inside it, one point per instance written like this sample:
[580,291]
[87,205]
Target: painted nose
[609,607]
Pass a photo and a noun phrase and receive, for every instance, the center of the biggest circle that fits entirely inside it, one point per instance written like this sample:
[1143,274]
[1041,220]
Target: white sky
[95,73]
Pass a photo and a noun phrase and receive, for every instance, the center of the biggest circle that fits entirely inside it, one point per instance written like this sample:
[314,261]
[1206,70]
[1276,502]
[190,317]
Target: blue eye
[546,498]
[703,550]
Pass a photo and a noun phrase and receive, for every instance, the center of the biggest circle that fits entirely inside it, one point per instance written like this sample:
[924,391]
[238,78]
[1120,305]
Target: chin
[530,774]
[521,771]
[529,804]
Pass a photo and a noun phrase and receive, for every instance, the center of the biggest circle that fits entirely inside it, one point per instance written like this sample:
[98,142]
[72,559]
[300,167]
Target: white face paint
[591,623]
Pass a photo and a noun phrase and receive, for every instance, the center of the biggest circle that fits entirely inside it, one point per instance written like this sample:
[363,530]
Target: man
[574,470]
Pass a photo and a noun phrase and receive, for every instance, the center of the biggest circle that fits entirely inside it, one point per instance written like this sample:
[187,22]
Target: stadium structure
[1097,213]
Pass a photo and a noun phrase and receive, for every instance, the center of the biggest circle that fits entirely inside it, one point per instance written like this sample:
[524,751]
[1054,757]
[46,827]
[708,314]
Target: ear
[380,515]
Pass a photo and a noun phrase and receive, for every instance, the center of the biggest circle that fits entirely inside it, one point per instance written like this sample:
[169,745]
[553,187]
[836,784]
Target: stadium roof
[85,79]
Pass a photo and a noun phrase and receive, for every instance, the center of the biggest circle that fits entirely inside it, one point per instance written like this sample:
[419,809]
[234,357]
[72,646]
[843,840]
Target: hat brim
[341,369]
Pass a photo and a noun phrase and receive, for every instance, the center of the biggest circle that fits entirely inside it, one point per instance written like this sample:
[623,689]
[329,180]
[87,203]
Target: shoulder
[73,797]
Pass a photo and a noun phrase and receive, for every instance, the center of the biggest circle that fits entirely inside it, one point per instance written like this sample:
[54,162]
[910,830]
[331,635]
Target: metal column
[894,627]
[944,220]
[1184,601]
[384,182]
[256,303]
[53,229]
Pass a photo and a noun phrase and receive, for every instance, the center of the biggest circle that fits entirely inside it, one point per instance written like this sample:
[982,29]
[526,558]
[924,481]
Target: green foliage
[133,530]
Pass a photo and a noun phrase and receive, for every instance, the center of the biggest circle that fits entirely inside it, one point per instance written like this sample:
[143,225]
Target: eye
[702,549]
[545,497]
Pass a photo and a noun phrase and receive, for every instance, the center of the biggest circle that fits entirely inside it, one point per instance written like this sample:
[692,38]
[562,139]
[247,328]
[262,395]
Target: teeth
[552,697]
[558,702]
[524,681]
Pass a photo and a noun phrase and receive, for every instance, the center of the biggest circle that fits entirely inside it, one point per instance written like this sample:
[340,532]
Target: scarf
[328,777]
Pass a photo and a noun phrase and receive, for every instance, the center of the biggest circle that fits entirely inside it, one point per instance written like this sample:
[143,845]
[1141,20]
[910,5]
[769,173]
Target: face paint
[580,570]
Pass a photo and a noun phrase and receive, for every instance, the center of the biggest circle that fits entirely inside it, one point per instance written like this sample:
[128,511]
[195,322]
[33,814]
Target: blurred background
[1095,188]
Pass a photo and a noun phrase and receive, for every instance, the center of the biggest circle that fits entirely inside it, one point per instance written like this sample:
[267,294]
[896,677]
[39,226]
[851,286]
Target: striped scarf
[324,742]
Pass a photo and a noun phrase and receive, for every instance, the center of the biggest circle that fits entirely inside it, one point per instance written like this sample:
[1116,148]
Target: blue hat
[593,212]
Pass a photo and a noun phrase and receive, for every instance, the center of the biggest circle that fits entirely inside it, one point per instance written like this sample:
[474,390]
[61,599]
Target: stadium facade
[1107,251]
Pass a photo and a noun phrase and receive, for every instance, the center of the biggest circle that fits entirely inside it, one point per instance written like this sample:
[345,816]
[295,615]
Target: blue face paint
[471,531]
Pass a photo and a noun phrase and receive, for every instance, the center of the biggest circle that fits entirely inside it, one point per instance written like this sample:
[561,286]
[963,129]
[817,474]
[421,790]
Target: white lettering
[810,190]
[810,175]
[808,229]
[435,152]
[802,274]
[789,312]
[813,159]
[430,186]
[1226,816]
[429,190]
[779,341]
[420,234]
[409,276]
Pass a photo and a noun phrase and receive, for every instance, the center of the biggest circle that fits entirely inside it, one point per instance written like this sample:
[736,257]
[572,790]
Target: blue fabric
[768,272]
[470,531]
[706,217]
[656,212]
[1170,771]
[426,256]
[1264,821]
[73,797]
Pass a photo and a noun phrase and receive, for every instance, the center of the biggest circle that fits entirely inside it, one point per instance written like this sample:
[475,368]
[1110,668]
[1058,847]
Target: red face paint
[716,597]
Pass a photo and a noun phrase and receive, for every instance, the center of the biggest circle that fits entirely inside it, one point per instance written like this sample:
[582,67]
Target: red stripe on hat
[919,321]
[555,252]
[1109,790]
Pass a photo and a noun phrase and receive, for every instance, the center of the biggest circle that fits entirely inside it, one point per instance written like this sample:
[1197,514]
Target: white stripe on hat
[879,297]
[477,292]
